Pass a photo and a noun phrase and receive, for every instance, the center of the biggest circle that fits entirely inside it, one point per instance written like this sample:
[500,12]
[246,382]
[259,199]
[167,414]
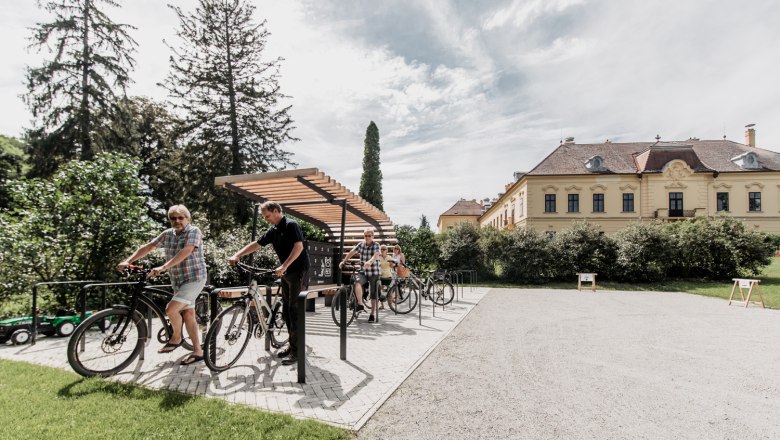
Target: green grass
[45,403]
[770,286]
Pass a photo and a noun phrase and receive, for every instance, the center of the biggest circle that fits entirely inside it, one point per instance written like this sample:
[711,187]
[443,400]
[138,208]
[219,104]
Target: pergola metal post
[343,296]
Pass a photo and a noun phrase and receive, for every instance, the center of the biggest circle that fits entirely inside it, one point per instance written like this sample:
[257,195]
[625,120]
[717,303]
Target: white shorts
[188,293]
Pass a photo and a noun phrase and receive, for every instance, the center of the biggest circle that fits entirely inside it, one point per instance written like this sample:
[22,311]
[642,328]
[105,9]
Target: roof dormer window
[747,161]
[595,163]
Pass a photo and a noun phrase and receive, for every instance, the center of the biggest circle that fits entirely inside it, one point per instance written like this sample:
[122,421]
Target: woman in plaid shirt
[183,246]
[368,250]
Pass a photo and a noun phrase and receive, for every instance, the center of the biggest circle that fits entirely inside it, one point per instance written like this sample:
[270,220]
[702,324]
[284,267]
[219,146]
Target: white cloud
[522,12]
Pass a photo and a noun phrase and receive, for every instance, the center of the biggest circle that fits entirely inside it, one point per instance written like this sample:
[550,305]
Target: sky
[466,92]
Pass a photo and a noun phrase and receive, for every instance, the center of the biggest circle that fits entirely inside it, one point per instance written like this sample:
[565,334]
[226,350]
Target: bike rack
[301,349]
[34,330]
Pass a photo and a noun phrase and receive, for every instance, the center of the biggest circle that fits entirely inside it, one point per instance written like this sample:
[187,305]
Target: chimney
[569,140]
[750,135]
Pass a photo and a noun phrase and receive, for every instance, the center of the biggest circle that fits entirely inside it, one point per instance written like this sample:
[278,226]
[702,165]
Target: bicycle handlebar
[255,271]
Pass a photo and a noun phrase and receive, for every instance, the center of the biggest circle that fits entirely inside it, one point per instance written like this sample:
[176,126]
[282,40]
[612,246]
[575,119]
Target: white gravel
[545,364]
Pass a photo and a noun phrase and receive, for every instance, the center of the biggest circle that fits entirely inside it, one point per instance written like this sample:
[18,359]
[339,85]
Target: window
[549,203]
[628,202]
[598,202]
[574,203]
[754,201]
[675,204]
[723,201]
[520,206]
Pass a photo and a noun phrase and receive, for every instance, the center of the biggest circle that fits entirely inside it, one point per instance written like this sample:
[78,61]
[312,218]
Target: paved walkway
[344,393]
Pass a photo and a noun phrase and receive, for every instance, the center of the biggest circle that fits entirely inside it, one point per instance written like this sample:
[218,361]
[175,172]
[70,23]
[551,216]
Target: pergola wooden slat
[311,195]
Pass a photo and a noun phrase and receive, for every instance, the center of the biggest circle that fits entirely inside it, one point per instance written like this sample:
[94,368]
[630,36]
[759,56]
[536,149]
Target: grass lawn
[770,286]
[46,403]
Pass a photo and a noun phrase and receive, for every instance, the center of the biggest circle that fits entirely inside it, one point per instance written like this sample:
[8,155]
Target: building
[613,184]
[462,211]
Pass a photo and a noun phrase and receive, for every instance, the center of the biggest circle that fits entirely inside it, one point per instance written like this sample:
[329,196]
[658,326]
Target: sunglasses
[174,218]
[368,235]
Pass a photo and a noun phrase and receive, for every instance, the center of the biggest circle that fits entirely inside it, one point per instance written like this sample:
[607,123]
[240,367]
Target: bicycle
[111,339]
[352,310]
[435,286]
[402,295]
[228,336]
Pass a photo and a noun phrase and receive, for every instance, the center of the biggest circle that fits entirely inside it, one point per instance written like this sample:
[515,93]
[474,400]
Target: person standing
[385,274]
[183,246]
[286,238]
[368,251]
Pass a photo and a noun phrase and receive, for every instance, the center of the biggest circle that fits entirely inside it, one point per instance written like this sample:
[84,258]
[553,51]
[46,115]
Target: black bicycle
[352,304]
[110,340]
[229,334]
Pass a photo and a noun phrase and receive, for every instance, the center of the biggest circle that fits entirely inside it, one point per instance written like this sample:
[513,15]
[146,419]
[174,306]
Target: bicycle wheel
[278,329]
[441,292]
[335,307]
[228,337]
[106,342]
[403,297]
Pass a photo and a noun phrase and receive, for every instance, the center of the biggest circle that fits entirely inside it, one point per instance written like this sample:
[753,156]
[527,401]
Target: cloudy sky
[465,92]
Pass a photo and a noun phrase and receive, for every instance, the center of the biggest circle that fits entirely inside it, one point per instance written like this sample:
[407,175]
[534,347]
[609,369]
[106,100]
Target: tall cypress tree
[371,179]
[233,119]
[90,67]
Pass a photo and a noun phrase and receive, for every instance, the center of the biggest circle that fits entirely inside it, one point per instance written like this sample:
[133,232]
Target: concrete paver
[344,393]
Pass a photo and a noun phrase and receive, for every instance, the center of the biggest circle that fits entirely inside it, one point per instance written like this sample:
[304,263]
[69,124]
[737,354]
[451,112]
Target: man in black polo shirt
[287,239]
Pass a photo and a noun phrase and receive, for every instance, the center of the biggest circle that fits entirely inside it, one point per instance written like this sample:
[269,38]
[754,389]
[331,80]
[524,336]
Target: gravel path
[609,365]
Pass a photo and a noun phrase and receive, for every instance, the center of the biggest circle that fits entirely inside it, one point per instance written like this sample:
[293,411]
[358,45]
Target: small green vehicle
[19,330]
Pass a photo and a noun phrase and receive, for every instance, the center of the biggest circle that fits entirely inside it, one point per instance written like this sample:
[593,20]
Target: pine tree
[233,118]
[90,67]
[371,179]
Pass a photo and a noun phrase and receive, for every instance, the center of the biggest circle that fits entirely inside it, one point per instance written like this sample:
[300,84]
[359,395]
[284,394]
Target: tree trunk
[86,141]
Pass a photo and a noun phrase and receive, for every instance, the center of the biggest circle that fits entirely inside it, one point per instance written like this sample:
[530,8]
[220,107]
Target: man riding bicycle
[368,251]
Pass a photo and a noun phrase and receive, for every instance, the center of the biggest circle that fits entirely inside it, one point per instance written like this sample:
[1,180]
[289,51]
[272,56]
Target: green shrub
[460,248]
[643,252]
[528,257]
[583,248]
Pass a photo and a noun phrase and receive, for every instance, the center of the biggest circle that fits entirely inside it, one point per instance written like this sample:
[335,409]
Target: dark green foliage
[460,247]
[12,165]
[233,120]
[79,85]
[718,248]
[371,179]
[74,226]
[528,257]
[144,129]
[583,248]
[493,245]
[644,252]
[418,244]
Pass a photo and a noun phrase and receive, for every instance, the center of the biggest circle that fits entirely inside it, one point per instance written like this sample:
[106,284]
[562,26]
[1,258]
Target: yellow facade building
[613,184]
[462,211]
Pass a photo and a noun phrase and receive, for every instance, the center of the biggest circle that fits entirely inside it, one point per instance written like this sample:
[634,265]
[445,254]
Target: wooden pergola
[311,195]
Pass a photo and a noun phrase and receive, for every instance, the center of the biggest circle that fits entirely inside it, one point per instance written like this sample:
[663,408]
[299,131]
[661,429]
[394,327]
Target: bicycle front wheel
[335,307]
[228,337]
[106,342]
[277,328]
[441,292]
[403,297]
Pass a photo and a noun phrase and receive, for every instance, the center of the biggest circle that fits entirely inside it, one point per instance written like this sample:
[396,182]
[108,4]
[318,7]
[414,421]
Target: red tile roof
[648,157]
[465,207]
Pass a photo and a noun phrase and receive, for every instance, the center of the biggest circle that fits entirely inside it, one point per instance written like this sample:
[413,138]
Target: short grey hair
[271,206]
[180,209]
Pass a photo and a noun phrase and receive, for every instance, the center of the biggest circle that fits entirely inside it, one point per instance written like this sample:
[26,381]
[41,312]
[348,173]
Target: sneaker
[360,307]
[370,318]
[290,360]
[284,353]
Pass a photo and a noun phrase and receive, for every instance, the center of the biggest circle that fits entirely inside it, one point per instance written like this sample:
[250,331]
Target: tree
[233,120]
[76,225]
[145,130]
[371,179]
[12,165]
[68,93]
